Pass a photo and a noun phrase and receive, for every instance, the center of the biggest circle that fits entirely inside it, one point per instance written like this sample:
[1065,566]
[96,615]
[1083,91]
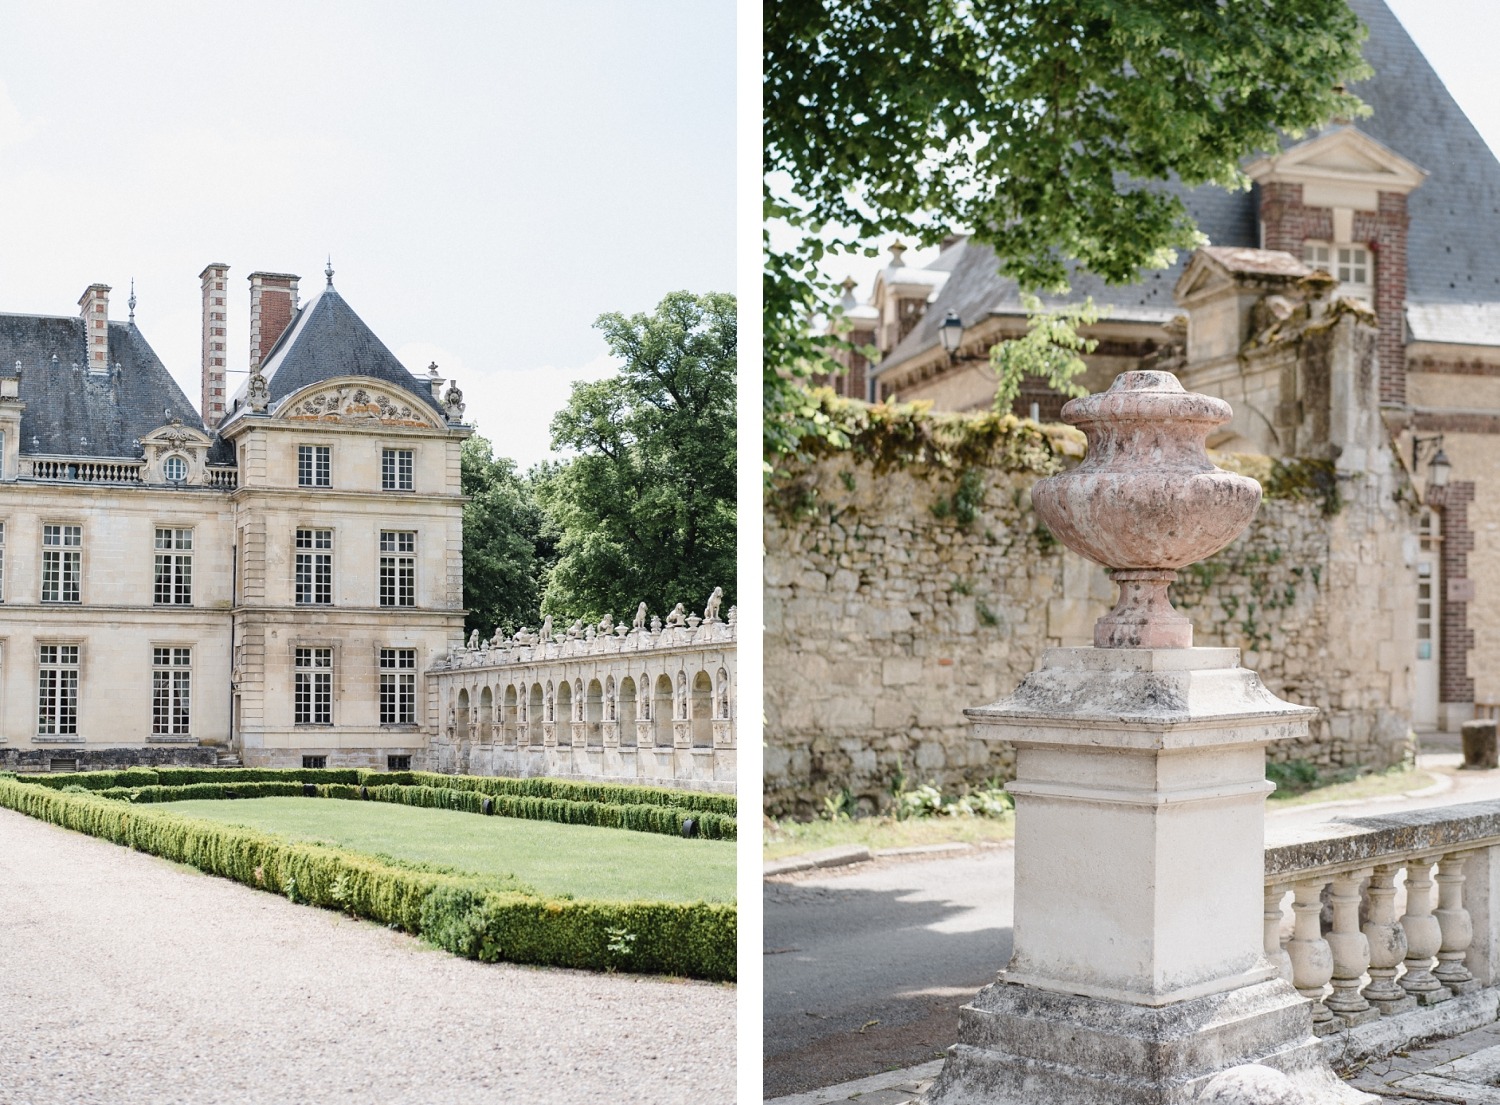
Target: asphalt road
[906,943]
[902,944]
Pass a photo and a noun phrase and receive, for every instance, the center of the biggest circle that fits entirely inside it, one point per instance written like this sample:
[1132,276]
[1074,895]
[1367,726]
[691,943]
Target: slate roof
[71,413]
[326,339]
[1453,245]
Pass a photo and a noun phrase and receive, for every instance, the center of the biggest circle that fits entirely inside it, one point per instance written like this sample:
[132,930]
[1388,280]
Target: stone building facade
[653,704]
[1402,209]
[270,583]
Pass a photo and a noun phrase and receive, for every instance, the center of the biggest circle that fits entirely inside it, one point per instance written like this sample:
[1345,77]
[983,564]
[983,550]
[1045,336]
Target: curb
[841,856]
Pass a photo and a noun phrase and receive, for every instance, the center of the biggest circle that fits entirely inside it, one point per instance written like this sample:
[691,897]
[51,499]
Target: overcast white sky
[1457,38]
[489,177]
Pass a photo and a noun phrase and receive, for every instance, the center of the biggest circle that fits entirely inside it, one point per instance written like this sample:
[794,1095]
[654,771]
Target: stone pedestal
[1479,744]
[1138,973]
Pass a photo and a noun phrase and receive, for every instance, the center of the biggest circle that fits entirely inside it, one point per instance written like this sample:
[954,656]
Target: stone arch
[701,711]
[721,709]
[593,714]
[564,712]
[661,712]
[627,712]
[508,719]
[535,711]
[486,716]
[461,734]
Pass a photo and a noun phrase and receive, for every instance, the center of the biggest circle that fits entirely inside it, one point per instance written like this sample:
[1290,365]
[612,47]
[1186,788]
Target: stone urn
[1146,500]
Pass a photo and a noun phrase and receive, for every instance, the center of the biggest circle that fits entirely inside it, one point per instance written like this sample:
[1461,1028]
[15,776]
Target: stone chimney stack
[273,301]
[212,404]
[94,310]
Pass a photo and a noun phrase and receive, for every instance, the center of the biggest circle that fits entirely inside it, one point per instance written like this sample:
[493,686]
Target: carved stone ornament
[355,405]
[258,393]
[453,402]
[1146,500]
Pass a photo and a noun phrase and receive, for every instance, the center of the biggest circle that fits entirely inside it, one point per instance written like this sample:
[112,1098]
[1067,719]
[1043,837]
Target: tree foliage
[506,554]
[646,511]
[1043,127]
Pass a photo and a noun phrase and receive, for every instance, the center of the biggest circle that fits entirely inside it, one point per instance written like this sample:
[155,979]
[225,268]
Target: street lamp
[952,333]
[1439,465]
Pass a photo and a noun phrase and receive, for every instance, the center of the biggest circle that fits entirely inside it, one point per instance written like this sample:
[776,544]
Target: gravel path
[125,979]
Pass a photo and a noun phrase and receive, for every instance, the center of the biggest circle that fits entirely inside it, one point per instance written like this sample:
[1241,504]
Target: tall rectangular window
[62,563]
[395,469]
[314,466]
[174,567]
[171,691]
[313,692]
[57,691]
[398,568]
[314,567]
[398,686]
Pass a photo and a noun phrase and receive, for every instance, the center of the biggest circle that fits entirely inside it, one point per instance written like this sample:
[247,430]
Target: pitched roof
[325,340]
[1453,246]
[72,413]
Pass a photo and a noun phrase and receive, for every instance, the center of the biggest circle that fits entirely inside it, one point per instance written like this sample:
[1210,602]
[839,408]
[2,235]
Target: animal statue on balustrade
[678,616]
[711,611]
[640,616]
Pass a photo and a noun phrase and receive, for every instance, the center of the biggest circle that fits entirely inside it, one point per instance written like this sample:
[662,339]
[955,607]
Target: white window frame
[62,563]
[398,568]
[58,666]
[314,466]
[398,686]
[397,469]
[312,685]
[171,691]
[172,580]
[1350,263]
[312,581]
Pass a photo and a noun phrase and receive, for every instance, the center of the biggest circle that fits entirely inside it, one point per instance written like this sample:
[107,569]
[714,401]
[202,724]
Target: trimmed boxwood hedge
[639,818]
[468,915]
[611,794]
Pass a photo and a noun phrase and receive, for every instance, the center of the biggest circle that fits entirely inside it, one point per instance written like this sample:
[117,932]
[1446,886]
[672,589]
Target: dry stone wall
[910,595]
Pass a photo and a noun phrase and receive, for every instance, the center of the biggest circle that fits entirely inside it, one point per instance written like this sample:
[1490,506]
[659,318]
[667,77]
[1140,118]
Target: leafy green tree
[1043,127]
[506,553]
[645,511]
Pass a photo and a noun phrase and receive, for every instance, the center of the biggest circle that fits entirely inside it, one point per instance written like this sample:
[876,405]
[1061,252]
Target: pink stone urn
[1146,500]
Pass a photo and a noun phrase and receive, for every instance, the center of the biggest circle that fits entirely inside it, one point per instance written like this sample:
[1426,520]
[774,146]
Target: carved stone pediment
[357,403]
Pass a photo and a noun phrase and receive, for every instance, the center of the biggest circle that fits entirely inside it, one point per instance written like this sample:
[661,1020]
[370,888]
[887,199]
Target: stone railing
[526,647]
[83,471]
[227,478]
[1349,952]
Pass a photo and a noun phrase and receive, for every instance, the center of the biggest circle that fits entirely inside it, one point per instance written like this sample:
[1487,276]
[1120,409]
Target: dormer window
[175,468]
[1349,264]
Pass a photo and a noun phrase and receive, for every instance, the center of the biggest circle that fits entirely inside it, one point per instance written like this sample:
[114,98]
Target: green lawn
[609,864]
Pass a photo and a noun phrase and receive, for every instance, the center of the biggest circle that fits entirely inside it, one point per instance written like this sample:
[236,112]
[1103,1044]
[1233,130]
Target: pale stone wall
[651,706]
[884,621]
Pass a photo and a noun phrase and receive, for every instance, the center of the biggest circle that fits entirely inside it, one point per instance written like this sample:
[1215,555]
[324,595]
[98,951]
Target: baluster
[1274,951]
[1351,952]
[1387,944]
[1424,937]
[1312,959]
[1456,925]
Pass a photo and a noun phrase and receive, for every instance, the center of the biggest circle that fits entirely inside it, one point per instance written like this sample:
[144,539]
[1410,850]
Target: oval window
[175,469]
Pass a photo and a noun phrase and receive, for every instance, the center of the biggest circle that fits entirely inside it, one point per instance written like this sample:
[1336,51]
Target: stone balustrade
[1392,914]
[529,648]
[83,471]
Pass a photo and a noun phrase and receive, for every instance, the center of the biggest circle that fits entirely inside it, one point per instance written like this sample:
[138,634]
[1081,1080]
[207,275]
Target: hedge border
[664,820]
[464,914]
[610,793]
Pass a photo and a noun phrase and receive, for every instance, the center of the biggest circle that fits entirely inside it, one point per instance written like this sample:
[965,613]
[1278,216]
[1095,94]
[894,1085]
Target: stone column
[1139,974]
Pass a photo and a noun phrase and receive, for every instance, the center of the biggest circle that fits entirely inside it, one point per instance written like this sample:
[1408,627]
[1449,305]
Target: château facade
[271,580]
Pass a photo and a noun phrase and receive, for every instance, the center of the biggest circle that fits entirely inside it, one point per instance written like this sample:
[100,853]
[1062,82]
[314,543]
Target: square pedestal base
[1023,1046]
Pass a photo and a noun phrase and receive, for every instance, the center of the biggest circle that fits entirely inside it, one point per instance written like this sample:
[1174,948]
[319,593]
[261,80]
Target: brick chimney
[214,313]
[94,310]
[273,301]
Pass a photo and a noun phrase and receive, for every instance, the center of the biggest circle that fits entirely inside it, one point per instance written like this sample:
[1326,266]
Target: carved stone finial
[453,402]
[258,393]
[328,272]
[131,301]
[1146,500]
